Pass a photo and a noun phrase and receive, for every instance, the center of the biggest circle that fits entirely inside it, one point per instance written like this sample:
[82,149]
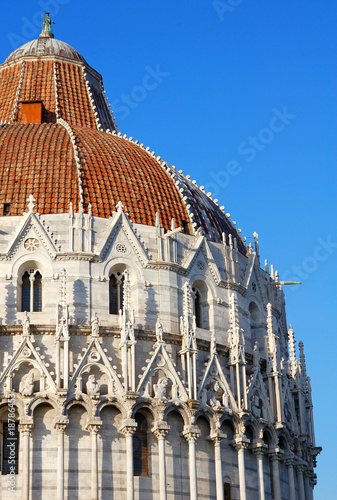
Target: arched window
[116,292]
[227,491]
[31,296]
[256,326]
[200,304]
[140,450]
[197,307]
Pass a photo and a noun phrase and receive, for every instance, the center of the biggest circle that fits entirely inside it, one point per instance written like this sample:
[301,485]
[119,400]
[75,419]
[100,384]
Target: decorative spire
[271,344]
[46,28]
[303,366]
[187,321]
[292,352]
[236,334]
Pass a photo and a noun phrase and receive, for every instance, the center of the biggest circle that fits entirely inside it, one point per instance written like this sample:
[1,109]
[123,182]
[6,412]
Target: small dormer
[31,112]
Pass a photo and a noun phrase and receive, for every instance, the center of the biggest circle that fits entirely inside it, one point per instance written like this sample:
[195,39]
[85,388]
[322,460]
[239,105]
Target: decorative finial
[31,204]
[119,207]
[46,28]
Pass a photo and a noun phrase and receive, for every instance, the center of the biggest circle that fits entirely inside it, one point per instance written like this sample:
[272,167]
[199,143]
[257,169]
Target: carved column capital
[93,425]
[240,442]
[275,454]
[217,436]
[191,433]
[129,426]
[161,430]
[26,426]
[61,424]
[289,460]
[259,447]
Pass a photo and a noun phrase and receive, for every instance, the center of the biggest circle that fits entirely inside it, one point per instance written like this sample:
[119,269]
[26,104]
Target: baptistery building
[144,348]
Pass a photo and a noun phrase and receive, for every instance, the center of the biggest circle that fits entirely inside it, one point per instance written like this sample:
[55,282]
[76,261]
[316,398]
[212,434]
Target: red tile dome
[72,153]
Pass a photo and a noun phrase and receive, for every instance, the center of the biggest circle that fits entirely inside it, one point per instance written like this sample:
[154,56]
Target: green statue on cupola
[46,29]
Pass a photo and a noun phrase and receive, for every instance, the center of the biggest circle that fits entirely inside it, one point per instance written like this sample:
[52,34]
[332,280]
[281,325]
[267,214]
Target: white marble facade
[200,358]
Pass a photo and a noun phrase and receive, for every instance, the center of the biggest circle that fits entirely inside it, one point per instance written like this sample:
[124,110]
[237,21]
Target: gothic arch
[41,400]
[114,404]
[18,404]
[201,299]
[73,402]
[146,405]
[120,263]
[182,410]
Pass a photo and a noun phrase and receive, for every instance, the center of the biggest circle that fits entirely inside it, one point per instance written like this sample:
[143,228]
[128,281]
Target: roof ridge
[18,92]
[91,100]
[167,169]
[172,172]
[63,123]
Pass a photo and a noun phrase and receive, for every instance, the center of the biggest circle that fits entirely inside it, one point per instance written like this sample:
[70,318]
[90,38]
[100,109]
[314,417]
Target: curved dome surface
[70,156]
[45,47]
[40,159]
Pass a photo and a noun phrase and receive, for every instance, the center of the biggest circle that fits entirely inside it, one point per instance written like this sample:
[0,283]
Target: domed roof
[45,46]
[73,154]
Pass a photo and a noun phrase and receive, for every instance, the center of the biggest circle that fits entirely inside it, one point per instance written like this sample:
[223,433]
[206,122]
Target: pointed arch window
[116,292]
[140,447]
[196,296]
[31,292]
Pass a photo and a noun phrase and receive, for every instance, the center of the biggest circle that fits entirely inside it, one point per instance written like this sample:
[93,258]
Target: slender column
[275,457]
[191,434]
[66,364]
[291,479]
[307,487]
[278,399]
[244,386]
[160,432]
[259,451]
[128,429]
[301,493]
[238,385]
[25,429]
[61,425]
[217,437]
[93,426]
[241,444]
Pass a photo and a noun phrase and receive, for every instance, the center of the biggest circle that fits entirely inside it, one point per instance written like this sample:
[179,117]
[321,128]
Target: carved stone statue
[26,387]
[160,388]
[256,357]
[212,395]
[256,407]
[159,331]
[25,325]
[95,325]
[92,386]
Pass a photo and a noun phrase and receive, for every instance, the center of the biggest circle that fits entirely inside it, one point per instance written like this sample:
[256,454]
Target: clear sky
[241,97]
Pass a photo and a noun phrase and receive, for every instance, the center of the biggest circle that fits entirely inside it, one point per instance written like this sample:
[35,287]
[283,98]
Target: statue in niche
[256,357]
[159,331]
[95,325]
[213,394]
[92,386]
[256,406]
[130,332]
[26,387]
[160,388]
[26,325]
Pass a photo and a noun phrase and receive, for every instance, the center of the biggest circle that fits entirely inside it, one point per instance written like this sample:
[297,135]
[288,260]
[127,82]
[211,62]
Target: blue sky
[243,100]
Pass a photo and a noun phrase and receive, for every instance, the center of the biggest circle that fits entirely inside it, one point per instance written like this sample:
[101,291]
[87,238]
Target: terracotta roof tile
[36,159]
[38,85]
[9,84]
[73,100]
